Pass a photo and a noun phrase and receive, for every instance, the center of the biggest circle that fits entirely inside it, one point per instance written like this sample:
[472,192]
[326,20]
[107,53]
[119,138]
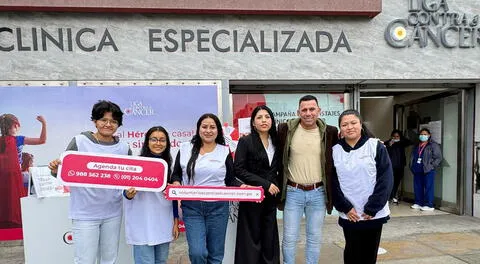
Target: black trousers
[257,233]
[397,178]
[361,245]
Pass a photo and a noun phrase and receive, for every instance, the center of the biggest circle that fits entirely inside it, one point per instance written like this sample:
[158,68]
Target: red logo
[68,238]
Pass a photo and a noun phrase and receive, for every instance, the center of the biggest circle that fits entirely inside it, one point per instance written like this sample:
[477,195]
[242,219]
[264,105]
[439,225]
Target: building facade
[404,64]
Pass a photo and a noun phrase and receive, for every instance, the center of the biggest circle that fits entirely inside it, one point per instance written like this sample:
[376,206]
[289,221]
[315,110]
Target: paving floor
[411,236]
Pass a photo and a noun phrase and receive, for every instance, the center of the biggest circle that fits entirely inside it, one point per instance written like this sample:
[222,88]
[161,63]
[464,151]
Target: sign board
[204,193]
[45,184]
[113,171]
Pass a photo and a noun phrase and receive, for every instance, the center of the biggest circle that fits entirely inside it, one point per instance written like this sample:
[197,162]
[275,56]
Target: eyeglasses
[155,140]
[104,121]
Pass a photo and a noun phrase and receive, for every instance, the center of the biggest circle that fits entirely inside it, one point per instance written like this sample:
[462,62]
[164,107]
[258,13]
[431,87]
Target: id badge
[419,160]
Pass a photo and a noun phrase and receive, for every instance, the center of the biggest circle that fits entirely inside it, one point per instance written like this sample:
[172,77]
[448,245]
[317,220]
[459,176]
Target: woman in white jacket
[362,184]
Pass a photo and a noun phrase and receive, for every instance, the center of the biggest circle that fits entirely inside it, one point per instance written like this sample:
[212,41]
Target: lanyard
[420,150]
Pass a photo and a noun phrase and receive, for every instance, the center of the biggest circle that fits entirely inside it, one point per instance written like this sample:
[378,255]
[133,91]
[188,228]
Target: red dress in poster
[11,187]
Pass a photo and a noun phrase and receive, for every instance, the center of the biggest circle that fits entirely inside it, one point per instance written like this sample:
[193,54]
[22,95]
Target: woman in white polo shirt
[205,161]
[151,221]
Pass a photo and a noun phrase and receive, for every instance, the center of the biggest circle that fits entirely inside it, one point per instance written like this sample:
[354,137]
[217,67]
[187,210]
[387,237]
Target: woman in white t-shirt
[205,161]
[151,221]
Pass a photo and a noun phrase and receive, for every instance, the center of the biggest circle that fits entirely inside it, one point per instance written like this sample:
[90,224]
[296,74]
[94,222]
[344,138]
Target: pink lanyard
[420,150]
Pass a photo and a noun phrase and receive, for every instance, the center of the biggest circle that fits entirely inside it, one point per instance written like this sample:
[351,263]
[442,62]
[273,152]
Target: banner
[284,107]
[65,111]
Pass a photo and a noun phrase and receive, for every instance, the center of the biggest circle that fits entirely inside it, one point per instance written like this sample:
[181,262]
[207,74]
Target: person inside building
[425,159]
[257,164]
[151,221]
[96,213]
[362,185]
[205,161]
[396,150]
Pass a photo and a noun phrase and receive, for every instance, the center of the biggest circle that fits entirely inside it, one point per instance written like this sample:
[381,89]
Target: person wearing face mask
[425,158]
[396,150]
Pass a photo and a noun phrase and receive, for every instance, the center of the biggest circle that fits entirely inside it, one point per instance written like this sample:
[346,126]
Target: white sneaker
[416,206]
[426,208]
[395,200]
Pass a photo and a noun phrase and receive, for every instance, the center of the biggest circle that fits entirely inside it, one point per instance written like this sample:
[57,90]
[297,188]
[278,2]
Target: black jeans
[361,245]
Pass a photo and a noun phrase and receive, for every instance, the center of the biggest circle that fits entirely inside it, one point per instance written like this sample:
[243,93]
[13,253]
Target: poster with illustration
[37,124]
[284,107]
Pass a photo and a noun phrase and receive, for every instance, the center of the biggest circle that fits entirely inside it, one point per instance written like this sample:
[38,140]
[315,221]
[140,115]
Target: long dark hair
[197,143]
[424,129]
[272,131]
[396,131]
[165,155]
[365,131]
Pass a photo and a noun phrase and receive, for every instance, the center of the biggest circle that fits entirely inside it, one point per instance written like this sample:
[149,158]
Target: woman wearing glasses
[151,221]
[96,213]
[205,161]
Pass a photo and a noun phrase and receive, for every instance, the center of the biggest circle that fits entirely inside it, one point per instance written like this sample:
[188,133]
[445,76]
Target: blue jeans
[206,227]
[96,237]
[298,202]
[423,188]
[146,254]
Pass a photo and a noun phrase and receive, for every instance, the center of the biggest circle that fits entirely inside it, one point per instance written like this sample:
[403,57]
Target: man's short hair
[307,98]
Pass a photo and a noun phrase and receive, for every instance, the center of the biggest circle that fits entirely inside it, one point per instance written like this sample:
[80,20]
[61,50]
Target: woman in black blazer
[256,164]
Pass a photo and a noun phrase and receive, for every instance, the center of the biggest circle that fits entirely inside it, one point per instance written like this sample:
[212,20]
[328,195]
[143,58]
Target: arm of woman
[341,203]
[177,171]
[230,177]
[240,165]
[436,155]
[175,231]
[383,187]
[43,134]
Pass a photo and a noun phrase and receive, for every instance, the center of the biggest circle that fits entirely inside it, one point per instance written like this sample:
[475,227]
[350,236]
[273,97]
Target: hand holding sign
[112,171]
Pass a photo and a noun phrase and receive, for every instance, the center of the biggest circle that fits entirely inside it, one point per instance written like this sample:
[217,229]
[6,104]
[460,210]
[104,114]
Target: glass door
[442,116]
